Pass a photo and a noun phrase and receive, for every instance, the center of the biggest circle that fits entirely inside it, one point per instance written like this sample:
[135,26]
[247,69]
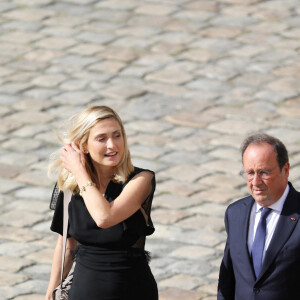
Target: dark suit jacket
[280,275]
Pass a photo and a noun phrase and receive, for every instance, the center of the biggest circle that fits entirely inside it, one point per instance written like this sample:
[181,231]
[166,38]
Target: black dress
[111,264]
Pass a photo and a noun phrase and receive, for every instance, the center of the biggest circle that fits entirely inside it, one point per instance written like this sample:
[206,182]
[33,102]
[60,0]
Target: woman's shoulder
[137,171]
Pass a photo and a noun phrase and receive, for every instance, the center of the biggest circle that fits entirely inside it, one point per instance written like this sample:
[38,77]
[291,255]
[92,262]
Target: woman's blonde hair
[78,132]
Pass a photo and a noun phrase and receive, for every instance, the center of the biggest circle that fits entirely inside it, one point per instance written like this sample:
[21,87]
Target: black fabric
[111,263]
[83,228]
[104,274]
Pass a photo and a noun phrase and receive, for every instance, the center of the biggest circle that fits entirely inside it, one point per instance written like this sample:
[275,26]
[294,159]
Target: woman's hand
[73,159]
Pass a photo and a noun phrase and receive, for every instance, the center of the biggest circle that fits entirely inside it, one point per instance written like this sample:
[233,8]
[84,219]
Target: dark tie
[259,240]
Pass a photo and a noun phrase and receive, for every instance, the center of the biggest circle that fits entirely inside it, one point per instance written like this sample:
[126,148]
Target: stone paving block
[218,195]
[5,71]
[187,173]
[35,286]
[178,294]
[209,223]
[42,55]
[17,249]
[211,208]
[191,267]
[168,216]
[18,159]
[231,154]
[208,84]
[125,55]
[122,92]
[9,171]
[227,141]
[43,256]
[198,55]
[39,271]
[192,252]
[74,97]
[175,201]
[221,32]
[191,119]
[13,264]
[188,157]
[37,177]
[221,180]
[226,127]
[30,297]
[7,278]
[48,81]
[29,14]
[210,289]
[108,66]
[155,9]
[194,237]
[74,85]
[148,164]
[8,185]
[21,145]
[222,166]
[32,104]
[14,88]
[20,37]
[176,187]
[150,127]
[141,32]
[41,93]
[169,76]
[31,192]
[167,48]
[55,43]
[10,50]
[185,282]
[20,218]
[144,151]
[285,135]
[164,89]
[17,234]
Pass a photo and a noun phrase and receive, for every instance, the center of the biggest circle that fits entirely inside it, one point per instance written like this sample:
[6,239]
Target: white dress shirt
[271,220]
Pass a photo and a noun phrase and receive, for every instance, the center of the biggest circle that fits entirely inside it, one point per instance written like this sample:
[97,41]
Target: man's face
[262,158]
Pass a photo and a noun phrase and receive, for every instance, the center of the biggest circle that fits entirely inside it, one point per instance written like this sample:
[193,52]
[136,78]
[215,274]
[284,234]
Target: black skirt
[106,274]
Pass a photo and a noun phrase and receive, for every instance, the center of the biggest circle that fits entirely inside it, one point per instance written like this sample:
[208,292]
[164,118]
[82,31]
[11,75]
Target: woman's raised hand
[72,158]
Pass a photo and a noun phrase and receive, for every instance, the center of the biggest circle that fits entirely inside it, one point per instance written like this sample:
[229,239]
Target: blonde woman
[109,213]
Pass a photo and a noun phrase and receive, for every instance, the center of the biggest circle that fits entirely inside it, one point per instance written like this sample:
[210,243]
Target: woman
[109,213]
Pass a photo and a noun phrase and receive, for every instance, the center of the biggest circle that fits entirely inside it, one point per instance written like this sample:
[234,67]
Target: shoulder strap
[67,199]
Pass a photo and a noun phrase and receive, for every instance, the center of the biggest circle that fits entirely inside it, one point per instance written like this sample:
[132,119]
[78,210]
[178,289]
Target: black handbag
[62,291]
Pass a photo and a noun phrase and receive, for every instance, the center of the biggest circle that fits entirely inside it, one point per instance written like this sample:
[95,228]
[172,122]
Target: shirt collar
[278,205]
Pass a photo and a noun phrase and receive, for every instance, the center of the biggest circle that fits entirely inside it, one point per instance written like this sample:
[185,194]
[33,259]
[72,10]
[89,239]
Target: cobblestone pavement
[189,78]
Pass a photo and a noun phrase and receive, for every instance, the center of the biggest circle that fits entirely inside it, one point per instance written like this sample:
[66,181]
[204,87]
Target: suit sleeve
[226,285]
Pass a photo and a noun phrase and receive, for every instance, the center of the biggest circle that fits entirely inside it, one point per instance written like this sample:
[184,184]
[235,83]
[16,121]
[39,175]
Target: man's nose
[256,179]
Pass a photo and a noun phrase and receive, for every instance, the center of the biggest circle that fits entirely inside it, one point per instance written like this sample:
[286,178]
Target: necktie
[259,240]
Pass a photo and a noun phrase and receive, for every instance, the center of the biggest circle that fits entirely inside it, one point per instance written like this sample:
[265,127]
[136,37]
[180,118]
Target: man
[262,253]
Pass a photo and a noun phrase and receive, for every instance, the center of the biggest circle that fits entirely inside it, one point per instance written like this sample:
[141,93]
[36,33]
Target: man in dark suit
[262,253]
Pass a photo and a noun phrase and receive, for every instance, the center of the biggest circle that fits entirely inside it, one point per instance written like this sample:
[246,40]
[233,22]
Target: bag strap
[67,199]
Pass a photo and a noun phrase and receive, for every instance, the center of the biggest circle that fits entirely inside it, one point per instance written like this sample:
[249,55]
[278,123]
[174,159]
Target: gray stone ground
[189,78]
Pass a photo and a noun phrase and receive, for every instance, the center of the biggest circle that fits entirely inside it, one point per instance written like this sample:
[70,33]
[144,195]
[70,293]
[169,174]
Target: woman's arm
[107,214]
[104,213]
[56,264]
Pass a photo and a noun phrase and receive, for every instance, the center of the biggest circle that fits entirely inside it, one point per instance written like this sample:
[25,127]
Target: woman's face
[106,143]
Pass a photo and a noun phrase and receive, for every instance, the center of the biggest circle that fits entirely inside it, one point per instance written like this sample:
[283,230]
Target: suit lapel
[285,226]
[244,227]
